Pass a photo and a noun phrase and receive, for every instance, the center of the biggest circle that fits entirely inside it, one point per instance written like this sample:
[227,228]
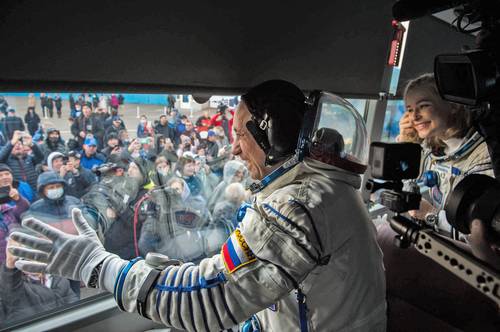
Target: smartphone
[4,190]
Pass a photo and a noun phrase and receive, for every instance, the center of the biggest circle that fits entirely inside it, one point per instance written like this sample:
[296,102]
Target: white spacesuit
[303,258]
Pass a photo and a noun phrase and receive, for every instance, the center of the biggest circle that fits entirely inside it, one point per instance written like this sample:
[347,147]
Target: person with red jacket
[224,118]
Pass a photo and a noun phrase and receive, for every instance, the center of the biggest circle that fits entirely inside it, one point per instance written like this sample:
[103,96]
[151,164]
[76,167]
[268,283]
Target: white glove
[69,256]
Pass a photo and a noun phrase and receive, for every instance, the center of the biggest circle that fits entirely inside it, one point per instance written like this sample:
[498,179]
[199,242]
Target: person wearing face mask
[452,148]
[54,206]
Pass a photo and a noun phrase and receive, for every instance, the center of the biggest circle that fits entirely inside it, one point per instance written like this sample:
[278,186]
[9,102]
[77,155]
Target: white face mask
[55,193]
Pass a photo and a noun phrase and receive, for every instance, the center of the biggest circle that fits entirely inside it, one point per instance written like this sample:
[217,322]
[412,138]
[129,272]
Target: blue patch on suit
[273,307]
[437,195]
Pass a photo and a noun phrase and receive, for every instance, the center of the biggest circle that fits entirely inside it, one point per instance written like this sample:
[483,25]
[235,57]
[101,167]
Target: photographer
[22,156]
[10,216]
[7,180]
[78,179]
[453,149]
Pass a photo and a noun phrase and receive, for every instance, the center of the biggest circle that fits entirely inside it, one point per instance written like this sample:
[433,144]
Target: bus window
[150,172]
[393,113]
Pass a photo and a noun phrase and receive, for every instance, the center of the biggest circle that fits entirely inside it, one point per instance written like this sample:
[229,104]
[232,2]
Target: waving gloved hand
[69,256]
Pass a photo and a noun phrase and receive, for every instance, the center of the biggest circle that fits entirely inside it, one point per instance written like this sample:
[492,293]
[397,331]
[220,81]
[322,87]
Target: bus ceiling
[207,46]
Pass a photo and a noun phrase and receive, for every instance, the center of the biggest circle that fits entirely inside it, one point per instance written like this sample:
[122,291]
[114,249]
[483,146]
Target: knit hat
[5,167]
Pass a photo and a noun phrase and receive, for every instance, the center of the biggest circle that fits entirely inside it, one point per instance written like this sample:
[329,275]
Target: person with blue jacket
[90,156]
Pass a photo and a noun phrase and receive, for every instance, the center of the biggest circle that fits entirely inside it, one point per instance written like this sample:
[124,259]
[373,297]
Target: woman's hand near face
[406,131]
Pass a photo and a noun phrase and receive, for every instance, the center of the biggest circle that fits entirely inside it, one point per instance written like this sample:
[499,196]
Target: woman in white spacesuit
[453,148]
[304,256]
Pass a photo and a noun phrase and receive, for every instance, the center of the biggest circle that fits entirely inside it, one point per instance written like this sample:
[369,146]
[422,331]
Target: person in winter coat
[144,129]
[10,217]
[226,209]
[43,104]
[54,206]
[115,126]
[185,169]
[120,238]
[22,295]
[32,120]
[7,180]
[234,172]
[78,179]
[53,143]
[58,104]
[17,156]
[90,156]
[87,123]
[50,106]
[12,123]
[165,128]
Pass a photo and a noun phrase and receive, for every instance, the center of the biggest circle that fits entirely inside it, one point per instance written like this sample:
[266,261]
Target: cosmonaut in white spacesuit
[304,256]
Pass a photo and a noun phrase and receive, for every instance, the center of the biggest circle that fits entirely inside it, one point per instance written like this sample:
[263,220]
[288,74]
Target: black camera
[390,164]
[103,169]
[473,77]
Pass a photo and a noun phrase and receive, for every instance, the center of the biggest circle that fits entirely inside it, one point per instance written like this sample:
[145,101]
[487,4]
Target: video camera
[392,163]
[104,169]
[472,77]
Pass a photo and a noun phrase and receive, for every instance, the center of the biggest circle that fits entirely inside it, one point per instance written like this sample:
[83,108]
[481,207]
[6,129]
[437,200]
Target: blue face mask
[171,121]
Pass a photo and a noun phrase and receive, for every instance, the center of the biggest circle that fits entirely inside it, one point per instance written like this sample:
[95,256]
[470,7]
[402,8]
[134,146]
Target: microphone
[405,10]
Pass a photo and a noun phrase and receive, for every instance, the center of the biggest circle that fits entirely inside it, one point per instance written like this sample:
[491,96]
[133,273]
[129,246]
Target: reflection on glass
[394,112]
[151,173]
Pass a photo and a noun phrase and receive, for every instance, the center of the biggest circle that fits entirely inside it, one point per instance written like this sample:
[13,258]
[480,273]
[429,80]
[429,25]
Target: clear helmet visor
[340,136]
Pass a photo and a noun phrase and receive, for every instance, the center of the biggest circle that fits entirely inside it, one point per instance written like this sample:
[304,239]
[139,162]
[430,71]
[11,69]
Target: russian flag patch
[236,252]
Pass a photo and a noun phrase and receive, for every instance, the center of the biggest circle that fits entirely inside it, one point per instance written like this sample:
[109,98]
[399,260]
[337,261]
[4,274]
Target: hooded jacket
[230,169]
[57,212]
[119,238]
[48,146]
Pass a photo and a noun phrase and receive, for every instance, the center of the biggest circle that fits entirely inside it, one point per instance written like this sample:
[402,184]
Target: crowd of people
[174,188]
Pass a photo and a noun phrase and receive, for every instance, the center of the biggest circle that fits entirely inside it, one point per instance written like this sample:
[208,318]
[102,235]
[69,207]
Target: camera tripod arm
[463,265]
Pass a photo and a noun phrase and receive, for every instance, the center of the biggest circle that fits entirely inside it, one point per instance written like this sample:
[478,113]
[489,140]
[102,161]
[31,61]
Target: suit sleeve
[228,288]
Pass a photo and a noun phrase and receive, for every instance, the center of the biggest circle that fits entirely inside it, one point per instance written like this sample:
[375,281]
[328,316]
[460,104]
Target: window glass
[393,113]
[150,173]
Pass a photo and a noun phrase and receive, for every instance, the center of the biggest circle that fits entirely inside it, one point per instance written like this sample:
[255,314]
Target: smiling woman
[428,117]
[453,149]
